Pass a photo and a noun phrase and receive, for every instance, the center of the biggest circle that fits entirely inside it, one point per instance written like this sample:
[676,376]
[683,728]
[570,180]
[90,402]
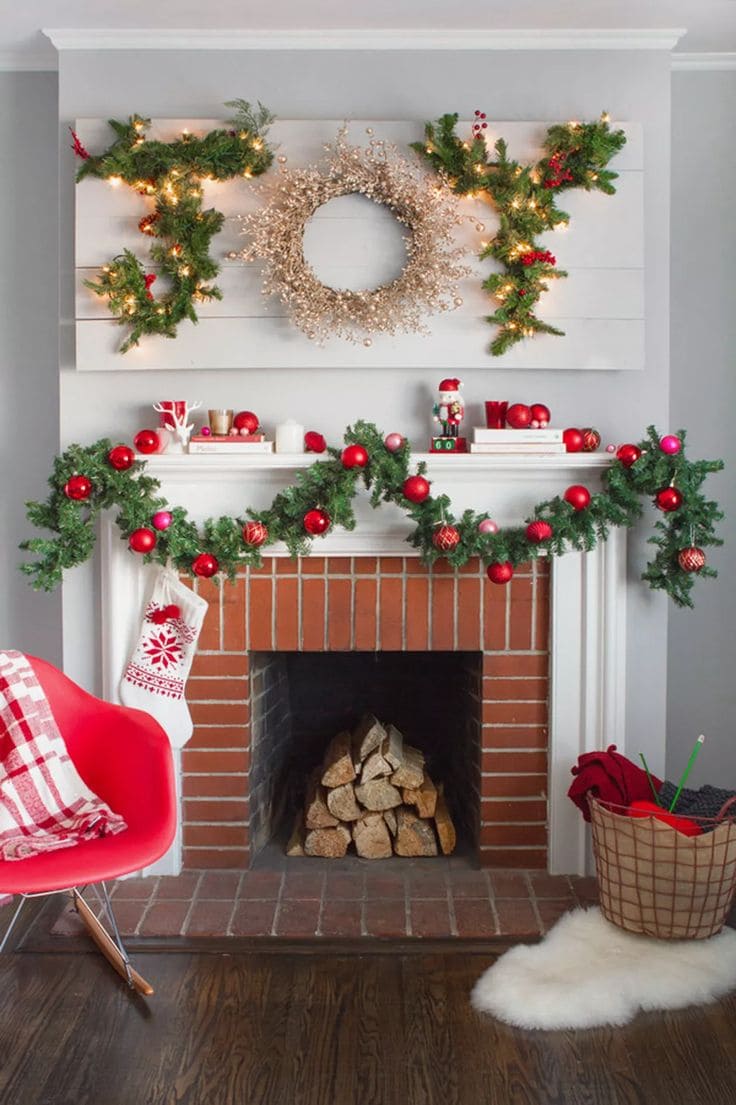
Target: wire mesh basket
[656,881]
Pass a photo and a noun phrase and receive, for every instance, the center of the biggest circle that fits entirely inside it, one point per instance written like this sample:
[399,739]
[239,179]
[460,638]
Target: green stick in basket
[693,756]
[653,789]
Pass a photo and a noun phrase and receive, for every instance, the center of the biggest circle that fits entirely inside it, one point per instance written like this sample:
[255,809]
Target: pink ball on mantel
[488,526]
[234,432]
[610,448]
[670,444]
[205,431]
[393,442]
[162,519]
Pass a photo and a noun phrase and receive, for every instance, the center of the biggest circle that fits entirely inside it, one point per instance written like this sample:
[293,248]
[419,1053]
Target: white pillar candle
[289,437]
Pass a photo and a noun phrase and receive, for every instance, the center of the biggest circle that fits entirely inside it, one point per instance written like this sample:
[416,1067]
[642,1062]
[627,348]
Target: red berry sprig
[533,255]
[480,124]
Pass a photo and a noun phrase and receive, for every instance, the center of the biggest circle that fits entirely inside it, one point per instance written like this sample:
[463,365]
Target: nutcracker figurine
[449,411]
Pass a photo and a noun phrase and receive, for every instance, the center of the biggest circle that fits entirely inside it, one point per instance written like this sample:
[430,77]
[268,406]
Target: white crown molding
[19,61]
[365,39]
[703,62]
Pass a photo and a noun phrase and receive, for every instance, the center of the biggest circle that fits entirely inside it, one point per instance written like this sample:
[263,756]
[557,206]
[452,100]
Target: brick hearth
[365,604]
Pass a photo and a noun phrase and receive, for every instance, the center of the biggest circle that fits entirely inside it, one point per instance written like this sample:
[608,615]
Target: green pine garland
[171,173]
[525,196]
[330,486]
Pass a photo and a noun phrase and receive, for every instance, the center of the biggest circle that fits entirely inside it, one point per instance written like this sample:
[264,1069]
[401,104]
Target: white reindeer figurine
[182,428]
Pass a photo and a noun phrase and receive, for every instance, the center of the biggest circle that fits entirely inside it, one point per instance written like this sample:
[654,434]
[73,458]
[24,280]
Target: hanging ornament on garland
[628,454]
[78,488]
[445,538]
[255,534]
[691,559]
[670,444]
[121,457]
[487,525]
[539,531]
[316,522]
[393,442]
[500,572]
[162,519]
[354,456]
[142,540]
[416,489]
[577,496]
[668,499]
[205,565]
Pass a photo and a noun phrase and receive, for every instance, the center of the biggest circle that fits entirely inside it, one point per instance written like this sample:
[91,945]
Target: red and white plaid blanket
[44,804]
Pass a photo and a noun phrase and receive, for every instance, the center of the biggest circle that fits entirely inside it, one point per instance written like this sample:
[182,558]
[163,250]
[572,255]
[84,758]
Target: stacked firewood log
[372,790]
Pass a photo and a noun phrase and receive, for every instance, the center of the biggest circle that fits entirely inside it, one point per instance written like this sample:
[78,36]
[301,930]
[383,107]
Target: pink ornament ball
[162,519]
[234,431]
[670,444]
[610,448]
[488,526]
[393,442]
[205,431]
[245,432]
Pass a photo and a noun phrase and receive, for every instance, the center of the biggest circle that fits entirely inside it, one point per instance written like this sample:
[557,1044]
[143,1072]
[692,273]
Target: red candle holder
[495,415]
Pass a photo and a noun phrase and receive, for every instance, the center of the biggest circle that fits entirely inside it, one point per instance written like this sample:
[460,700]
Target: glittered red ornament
[147,441]
[416,489]
[577,496]
[445,538]
[668,499]
[573,440]
[591,439]
[78,488]
[314,442]
[691,559]
[205,565]
[518,416]
[539,531]
[540,414]
[628,454]
[316,522]
[121,457]
[246,420]
[354,456]
[142,540]
[500,572]
[255,534]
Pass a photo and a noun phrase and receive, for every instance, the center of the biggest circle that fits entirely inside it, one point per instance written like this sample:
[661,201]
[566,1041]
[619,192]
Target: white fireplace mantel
[588,607]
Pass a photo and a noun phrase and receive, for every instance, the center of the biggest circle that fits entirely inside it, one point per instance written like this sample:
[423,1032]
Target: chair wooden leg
[109,948]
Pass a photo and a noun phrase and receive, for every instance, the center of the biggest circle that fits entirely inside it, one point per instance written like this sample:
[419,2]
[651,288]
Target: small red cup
[495,415]
[172,408]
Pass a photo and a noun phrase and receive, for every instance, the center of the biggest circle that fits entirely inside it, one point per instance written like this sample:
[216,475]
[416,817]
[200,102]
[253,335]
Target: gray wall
[702,656]
[29,383]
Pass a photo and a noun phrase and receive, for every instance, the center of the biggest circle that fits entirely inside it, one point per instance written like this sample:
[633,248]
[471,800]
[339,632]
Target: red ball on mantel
[416,489]
[147,441]
[316,522]
[691,559]
[573,440]
[121,457]
[142,540]
[205,565]
[541,415]
[246,420]
[628,454]
[538,531]
[577,496]
[518,416]
[314,442]
[78,488]
[668,499]
[500,572]
[591,439]
[354,456]
[445,538]
[255,534]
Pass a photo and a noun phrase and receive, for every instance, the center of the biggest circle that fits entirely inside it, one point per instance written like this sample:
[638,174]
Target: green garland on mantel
[224,544]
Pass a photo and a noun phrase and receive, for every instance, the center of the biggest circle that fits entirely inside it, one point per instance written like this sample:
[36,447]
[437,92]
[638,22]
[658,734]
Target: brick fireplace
[367,605]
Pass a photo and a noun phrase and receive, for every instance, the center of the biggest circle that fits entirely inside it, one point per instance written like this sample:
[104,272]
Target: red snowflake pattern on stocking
[164,649]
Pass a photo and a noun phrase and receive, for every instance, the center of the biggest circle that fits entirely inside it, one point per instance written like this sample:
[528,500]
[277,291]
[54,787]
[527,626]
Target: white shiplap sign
[600,306]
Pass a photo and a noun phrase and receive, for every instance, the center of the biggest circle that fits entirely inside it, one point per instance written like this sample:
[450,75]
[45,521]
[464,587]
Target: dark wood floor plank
[430,1060]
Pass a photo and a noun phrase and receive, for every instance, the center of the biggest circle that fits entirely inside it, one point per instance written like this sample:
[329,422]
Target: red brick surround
[368,603]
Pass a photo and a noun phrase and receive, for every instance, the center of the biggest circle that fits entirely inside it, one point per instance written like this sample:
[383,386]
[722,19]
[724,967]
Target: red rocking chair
[124,756]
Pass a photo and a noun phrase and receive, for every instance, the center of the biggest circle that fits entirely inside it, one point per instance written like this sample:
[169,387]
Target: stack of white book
[242,444]
[537,443]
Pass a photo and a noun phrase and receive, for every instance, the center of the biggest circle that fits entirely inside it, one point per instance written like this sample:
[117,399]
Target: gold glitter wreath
[428,281]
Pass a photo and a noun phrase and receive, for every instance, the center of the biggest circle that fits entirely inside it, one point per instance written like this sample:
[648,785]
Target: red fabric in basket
[683,825]
[610,777]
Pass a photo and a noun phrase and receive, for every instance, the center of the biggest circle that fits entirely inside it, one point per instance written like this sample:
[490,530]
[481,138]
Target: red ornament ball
[670,444]
[591,439]
[147,441]
[691,559]
[316,522]
[78,488]
[162,519]
[142,540]
[501,572]
[577,496]
[246,420]
[668,499]
[540,414]
[255,534]
[518,416]
[121,457]
[205,565]
[539,531]
[445,538]
[314,442]
[354,456]
[628,454]
[393,442]
[416,489]
[573,440]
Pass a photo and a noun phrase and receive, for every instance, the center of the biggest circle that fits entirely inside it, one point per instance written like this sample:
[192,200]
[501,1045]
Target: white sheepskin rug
[588,972]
